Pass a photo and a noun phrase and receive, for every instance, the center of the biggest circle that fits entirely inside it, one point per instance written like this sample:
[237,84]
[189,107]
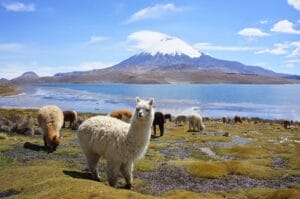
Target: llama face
[144,109]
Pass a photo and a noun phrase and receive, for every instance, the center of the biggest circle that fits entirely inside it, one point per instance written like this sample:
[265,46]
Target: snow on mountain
[160,43]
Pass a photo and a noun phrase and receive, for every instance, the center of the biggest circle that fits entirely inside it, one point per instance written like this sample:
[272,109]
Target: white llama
[195,122]
[120,143]
[50,119]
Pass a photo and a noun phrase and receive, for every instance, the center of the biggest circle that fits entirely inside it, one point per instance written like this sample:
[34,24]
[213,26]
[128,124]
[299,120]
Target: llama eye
[147,110]
[137,109]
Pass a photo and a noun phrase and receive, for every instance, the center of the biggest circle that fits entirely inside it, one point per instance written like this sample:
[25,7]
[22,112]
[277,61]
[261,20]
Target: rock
[208,151]
[226,134]
[77,123]
[38,131]
[24,126]
[5,128]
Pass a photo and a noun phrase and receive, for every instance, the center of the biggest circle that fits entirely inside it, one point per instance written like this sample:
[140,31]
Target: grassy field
[256,161]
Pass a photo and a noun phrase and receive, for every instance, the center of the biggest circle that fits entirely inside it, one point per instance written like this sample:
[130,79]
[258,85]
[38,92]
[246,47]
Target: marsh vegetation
[259,159]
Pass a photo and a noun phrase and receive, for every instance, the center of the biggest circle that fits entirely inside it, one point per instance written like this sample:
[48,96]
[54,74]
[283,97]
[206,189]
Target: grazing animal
[123,115]
[160,121]
[195,122]
[71,117]
[225,119]
[287,124]
[50,119]
[168,116]
[237,119]
[120,143]
[179,119]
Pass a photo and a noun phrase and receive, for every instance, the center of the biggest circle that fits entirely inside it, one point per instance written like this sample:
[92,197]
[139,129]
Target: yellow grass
[217,169]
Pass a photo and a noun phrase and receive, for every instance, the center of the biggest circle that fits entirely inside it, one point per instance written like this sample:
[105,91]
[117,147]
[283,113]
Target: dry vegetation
[270,158]
[6,90]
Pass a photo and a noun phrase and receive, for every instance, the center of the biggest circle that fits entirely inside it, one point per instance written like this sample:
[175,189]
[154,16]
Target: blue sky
[63,35]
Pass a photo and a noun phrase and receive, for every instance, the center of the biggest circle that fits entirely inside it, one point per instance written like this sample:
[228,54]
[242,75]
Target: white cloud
[285,26]
[294,3]
[19,7]
[210,47]
[291,63]
[296,51]
[253,32]
[263,21]
[10,46]
[153,12]
[278,49]
[156,42]
[97,39]
[291,49]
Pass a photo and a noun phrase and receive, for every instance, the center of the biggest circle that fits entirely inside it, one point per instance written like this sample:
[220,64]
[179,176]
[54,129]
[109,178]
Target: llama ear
[138,99]
[151,101]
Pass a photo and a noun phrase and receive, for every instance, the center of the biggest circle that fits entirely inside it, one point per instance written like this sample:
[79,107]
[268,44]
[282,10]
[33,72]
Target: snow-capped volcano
[160,43]
[167,59]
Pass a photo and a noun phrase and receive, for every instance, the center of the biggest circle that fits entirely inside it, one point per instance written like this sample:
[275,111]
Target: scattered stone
[226,134]
[279,163]
[176,151]
[9,193]
[235,141]
[208,151]
[38,131]
[168,178]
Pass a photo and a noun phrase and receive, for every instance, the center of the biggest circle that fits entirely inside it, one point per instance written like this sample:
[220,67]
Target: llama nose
[140,114]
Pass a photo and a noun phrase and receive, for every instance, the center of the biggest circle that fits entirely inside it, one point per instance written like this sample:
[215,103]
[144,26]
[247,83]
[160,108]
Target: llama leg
[45,142]
[92,161]
[71,123]
[161,129]
[112,172]
[46,147]
[190,126]
[154,129]
[126,170]
[64,124]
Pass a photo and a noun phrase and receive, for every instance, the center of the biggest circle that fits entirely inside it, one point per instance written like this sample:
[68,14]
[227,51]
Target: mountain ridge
[168,68]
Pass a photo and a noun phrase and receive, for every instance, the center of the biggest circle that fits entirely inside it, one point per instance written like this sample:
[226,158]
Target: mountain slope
[146,62]
[26,78]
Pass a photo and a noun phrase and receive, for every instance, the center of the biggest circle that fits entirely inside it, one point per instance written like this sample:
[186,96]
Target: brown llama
[237,119]
[123,115]
[71,117]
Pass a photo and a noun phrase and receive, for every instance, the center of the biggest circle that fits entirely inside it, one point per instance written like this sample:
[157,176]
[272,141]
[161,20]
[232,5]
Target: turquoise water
[213,100]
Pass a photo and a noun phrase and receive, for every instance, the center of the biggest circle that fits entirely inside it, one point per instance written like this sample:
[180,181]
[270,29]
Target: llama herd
[120,137]
[119,142]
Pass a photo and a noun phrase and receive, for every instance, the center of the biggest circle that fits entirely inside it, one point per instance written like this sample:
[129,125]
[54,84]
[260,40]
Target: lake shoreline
[9,90]
[248,119]
[211,100]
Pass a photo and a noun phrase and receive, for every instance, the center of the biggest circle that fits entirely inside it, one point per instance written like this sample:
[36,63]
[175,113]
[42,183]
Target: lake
[212,100]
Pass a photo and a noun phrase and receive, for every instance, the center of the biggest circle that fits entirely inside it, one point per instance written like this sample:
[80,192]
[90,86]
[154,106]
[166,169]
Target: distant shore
[7,90]
[33,111]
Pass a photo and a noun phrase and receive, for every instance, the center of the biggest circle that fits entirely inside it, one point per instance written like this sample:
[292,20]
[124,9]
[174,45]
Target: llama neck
[139,135]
